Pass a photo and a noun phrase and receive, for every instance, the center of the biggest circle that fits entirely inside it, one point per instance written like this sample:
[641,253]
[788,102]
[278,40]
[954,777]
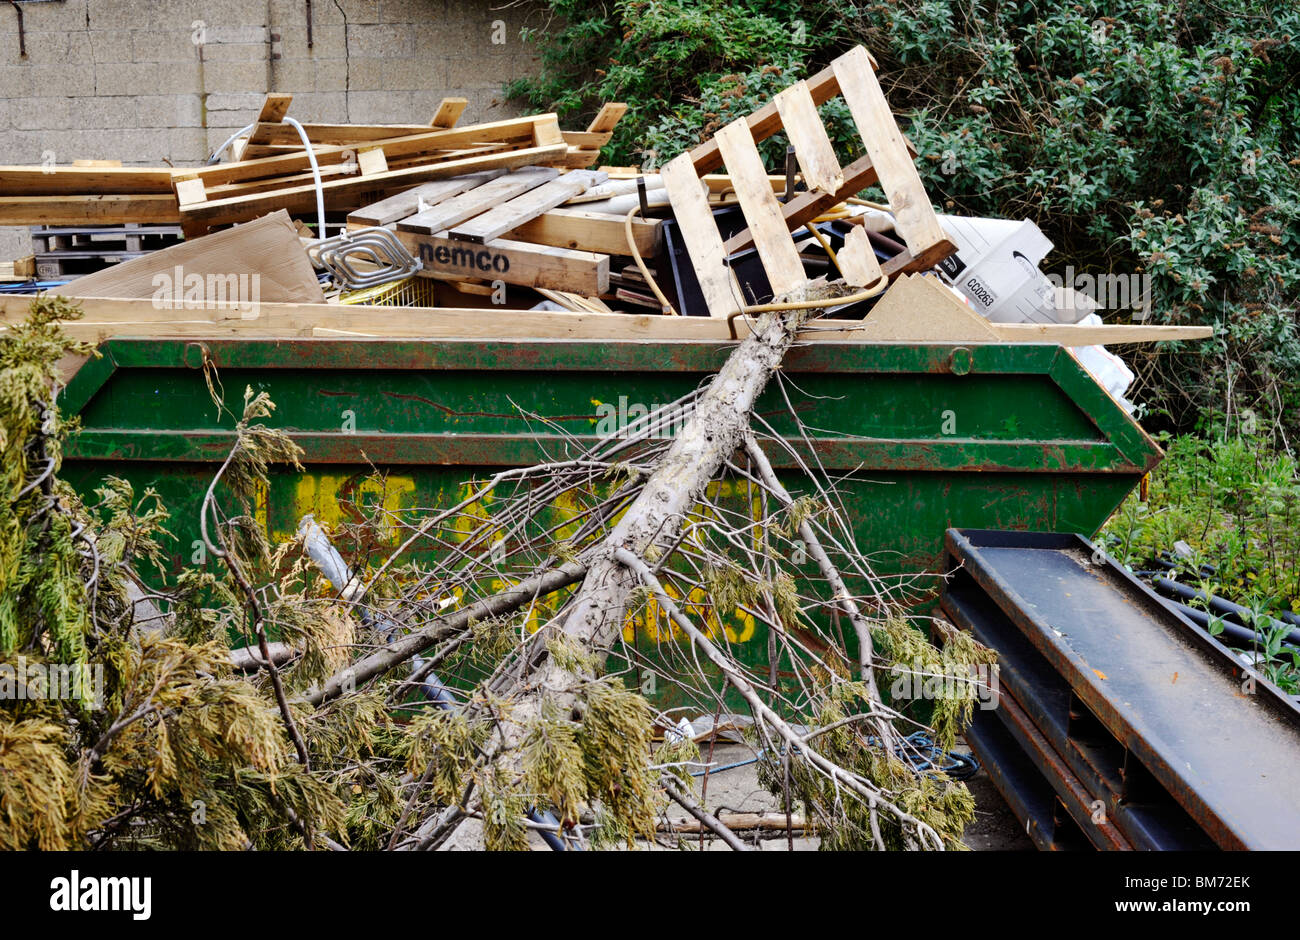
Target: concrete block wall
[154,81]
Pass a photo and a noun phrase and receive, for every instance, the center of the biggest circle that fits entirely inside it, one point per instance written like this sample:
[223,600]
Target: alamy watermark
[32,681]
[1106,291]
[181,290]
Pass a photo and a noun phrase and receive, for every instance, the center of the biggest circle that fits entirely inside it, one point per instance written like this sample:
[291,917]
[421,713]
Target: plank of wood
[303,198]
[191,191]
[449,112]
[585,139]
[590,231]
[916,221]
[763,213]
[610,113]
[479,199]
[96,162]
[105,317]
[703,243]
[274,108]
[813,148]
[82,180]
[514,212]
[857,259]
[88,209]
[372,161]
[512,262]
[409,202]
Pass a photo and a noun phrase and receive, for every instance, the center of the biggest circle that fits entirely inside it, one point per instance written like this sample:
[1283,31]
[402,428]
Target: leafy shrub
[1143,138]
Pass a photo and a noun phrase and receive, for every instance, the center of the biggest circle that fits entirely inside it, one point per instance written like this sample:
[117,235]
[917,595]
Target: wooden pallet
[888,161]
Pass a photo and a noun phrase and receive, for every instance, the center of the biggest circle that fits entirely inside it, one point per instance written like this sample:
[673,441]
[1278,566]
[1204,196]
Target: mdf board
[703,243]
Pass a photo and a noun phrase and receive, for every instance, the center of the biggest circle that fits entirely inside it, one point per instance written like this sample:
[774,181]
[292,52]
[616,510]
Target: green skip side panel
[1024,439]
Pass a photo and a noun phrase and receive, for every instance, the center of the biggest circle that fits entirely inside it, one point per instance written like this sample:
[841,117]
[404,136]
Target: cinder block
[380,107]
[122,14]
[93,112]
[237,34]
[67,15]
[360,75]
[61,80]
[168,111]
[188,145]
[112,45]
[423,12]
[237,52]
[15,242]
[43,113]
[45,47]
[15,81]
[293,76]
[166,46]
[133,78]
[246,77]
[381,41]
[413,74]
[328,42]
[320,108]
[355,11]
[474,72]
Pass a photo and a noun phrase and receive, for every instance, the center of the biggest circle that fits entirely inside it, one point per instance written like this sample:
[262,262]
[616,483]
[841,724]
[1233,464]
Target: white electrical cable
[315,172]
[311,158]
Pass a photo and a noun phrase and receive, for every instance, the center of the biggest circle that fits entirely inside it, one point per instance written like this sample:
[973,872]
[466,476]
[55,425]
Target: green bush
[1142,138]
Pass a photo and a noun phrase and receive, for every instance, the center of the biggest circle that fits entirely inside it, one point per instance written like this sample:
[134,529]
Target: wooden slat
[408,203]
[449,112]
[515,212]
[274,108]
[478,200]
[585,139]
[590,231]
[301,198]
[703,243]
[512,262]
[610,113]
[763,213]
[803,125]
[106,317]
[82,181]
[916,220]
[93,209]
[857,259]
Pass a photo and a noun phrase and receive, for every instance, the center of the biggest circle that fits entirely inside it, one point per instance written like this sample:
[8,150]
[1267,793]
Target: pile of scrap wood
[504,229]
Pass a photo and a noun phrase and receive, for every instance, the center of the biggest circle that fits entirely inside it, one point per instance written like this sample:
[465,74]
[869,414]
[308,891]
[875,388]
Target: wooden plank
[590,231]
[703,243]
[303,198]
[274,108]
[763,213]
[916,220]
[82,181]
[190,191]
[610,113]
[803,125]
[515,212]
[449,112]
[857,259]
[479,199]
[105,317]
[512,262]
[403,204]
[372,161]
[88,210]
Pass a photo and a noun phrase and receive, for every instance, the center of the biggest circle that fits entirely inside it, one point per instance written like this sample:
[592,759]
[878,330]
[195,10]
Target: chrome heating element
[364,258]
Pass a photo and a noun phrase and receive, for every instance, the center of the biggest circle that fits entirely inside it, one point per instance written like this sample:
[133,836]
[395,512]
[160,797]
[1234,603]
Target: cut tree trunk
[716,430]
